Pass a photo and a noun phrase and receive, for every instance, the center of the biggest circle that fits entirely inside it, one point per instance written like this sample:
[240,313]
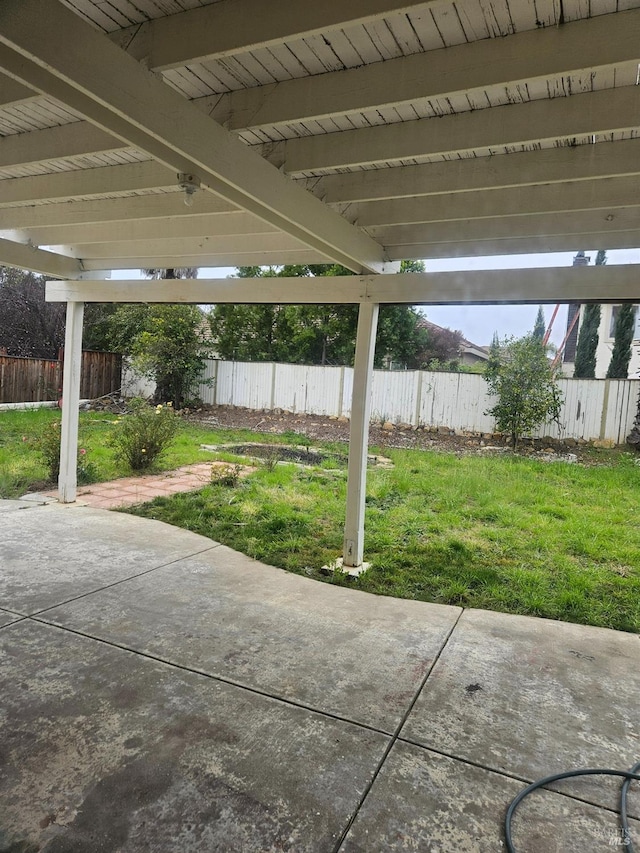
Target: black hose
[628,775]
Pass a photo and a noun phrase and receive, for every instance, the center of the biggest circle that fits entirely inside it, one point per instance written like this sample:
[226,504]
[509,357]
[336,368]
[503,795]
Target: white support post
[67,481]
[353,550]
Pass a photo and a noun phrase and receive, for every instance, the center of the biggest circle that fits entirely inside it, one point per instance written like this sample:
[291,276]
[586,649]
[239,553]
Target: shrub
[520,375]
[47,444]
[141,436]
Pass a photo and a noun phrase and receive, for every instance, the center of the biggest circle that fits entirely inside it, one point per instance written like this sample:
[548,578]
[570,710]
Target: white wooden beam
[225,28]
[582,47]
[26,257]
[79,183]
[515,124]
[479,287]
[604,195]
[237,259]
[69,140]
[522,169]
[173,227]
[203,291]
[193,246]
[353,547]
[72,369]
[47,46]
[598,223]
[514,246]
[13,93]
[110,210]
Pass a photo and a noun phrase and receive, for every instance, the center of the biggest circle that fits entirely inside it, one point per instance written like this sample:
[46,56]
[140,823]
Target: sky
[479,322]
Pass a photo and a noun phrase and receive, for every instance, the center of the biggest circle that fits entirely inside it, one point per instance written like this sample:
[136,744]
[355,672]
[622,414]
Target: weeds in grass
[510,534]
[225,475]
[502,534]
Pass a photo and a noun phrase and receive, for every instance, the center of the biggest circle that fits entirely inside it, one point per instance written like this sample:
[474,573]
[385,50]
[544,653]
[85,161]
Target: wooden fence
[592,408]
[28,380]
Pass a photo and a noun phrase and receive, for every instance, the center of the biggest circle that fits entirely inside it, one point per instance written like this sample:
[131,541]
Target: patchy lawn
[496,532]
[511,534]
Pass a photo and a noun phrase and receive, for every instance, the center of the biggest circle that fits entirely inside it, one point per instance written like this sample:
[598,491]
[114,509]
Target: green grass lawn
[501,533]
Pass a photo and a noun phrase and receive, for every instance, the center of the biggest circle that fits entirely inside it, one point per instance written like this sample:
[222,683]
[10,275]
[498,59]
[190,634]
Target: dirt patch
[282,453]
[276,453]
[319,428]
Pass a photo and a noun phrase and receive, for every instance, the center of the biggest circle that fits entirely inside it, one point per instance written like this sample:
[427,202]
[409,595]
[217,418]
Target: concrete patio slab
[53,553]
[429,802]
[106,751]
[11,506]
[219,704]
[342,651]
[6,618]
[532,697]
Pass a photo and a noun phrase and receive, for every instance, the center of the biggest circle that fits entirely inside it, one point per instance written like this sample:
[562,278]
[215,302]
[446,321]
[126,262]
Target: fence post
[215,382]
[341,392]
[419,379]
[353,550]
[272,398]
[67,481]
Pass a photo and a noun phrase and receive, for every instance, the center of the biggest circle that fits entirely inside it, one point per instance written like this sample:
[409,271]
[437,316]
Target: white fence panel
[244,384]
[207,388]
[621,407]
[455,400]
[592,408]
[393,396]
[290,387]
[324,387]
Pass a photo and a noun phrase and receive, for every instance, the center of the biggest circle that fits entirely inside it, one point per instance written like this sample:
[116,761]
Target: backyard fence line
[593,408]
[32,380]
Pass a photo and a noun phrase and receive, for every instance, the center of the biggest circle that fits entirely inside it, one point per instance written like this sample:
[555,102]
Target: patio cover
[361,132]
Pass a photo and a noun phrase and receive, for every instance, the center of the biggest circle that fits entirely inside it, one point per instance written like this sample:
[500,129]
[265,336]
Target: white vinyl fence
[593,408]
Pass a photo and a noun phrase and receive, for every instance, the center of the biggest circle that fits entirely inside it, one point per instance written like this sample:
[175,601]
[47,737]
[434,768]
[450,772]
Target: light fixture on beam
[188,183]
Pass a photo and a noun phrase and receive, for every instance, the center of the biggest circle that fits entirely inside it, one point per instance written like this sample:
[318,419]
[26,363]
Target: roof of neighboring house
[465,345]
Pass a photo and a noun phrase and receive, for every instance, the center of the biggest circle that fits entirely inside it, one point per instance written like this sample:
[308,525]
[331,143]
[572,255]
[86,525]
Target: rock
[333,417]
[388,426]
[343,419]
[570,442]
[278,411]
[442,430]
[405,426]
[607,443]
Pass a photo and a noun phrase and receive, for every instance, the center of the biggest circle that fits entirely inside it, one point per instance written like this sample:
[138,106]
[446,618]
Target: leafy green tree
[622,339]
[171,351]
[539,327]
[585,366]
[166,343]
[519,374]
[312,334]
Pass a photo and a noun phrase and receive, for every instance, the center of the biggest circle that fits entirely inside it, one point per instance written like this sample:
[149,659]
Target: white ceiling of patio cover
[392,130]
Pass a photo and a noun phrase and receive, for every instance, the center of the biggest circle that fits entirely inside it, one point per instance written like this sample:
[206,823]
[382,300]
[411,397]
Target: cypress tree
[587,343]
[539,327]
[622,338]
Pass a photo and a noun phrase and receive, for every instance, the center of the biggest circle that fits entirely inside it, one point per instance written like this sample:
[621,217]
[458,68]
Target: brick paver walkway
[135,490]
